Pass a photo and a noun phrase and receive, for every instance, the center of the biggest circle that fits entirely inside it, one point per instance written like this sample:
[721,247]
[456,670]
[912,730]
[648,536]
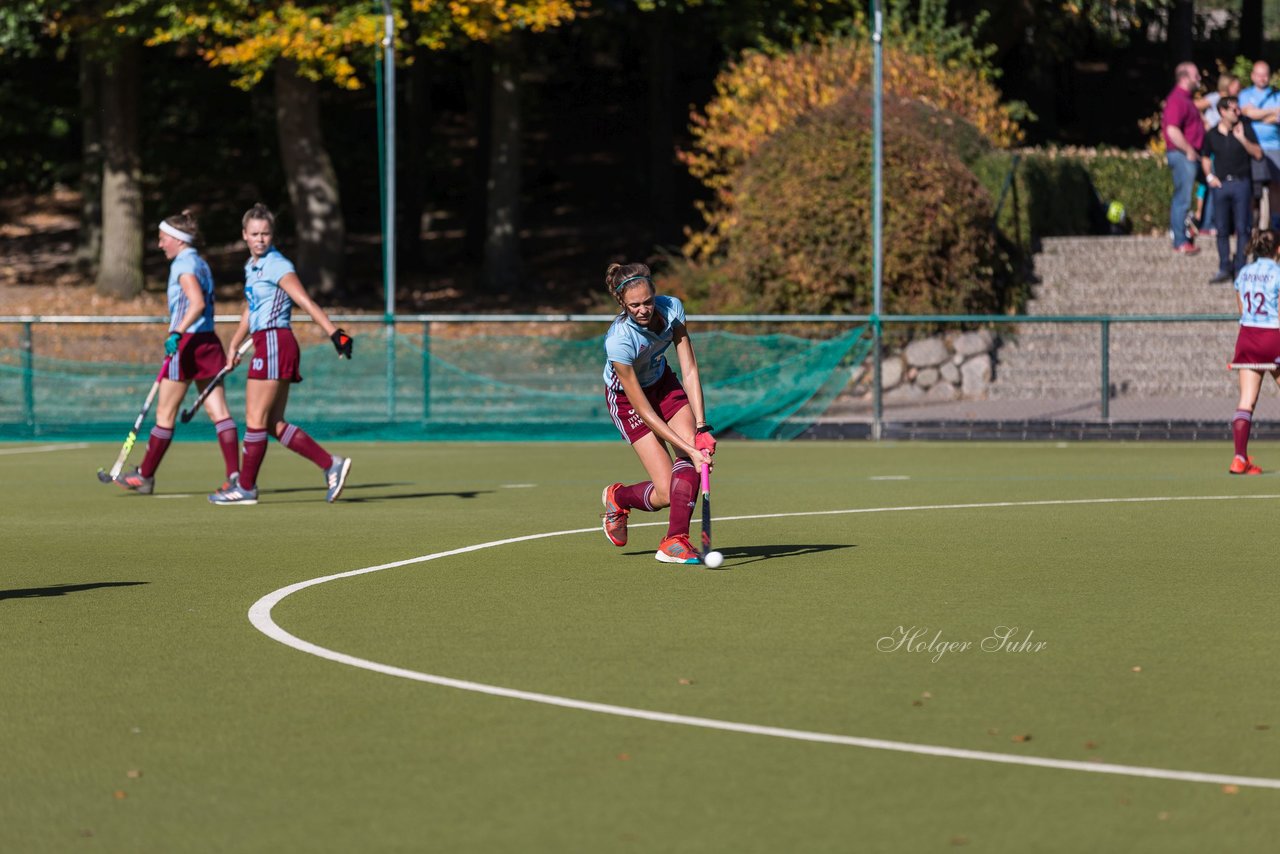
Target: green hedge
[799,240]
[800,235]
[1065,191]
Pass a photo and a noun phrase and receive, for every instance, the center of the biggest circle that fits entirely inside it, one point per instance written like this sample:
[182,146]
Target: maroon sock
[684,491]
[229,443]
[635,496]
[1240,426]
[255,448]
[295,439]
[156,446]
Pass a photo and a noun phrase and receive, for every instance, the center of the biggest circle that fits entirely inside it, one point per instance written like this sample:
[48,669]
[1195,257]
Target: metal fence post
[1105,333]
[28,379]
[426,371]
[391,368]
[877,388]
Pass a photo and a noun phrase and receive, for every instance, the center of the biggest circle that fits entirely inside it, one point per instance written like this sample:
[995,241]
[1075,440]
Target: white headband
[176,232]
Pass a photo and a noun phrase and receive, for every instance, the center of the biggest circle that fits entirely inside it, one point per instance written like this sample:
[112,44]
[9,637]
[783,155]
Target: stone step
[1119,276]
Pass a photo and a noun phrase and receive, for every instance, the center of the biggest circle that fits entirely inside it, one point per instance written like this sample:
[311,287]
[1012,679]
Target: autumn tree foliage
[762,94]
[305,44]
[334,40]
[800,242]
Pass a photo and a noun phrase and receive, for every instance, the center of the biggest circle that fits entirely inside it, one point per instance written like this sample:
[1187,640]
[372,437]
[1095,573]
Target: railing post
[391,368]
[426,371]
[1105,332]
[28,379]
[877,391]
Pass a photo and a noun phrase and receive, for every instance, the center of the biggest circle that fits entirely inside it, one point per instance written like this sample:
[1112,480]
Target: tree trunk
[500,269]
[120,270]
[1181,23]
[481,112]
[1251,29]
[313,184]
[411,162]
[661,129]
[89,246]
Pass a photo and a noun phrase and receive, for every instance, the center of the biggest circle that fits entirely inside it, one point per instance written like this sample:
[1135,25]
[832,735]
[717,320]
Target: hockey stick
[106,477]
[710,559]
[189,412]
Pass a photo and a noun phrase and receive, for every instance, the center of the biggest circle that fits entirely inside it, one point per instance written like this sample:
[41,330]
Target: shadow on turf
[349,487]
[348,498]
[741,555]
[64,589]
[345,499]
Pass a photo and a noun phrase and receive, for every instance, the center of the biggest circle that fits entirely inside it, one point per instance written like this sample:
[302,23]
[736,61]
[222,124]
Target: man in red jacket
[1183,137]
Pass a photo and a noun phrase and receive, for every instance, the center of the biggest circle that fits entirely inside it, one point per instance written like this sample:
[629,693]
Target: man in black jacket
[1225,157]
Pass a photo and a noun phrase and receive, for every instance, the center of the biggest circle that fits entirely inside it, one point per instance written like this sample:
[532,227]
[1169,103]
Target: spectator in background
[1260,104]
[1228,151]
[1183,135]
[1228,84]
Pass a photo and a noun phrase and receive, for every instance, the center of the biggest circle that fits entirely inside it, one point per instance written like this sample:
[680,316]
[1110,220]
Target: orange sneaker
[677,550]
[1243,465]
[615,517]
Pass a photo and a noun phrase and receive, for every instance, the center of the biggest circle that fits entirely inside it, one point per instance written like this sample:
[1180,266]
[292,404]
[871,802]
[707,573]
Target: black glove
[341,343]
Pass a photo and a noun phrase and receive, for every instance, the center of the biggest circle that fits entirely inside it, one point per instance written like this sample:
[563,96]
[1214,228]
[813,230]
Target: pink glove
[705,442]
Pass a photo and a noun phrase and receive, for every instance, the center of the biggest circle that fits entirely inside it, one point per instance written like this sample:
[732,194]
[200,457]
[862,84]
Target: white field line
[44,449]
[260,617]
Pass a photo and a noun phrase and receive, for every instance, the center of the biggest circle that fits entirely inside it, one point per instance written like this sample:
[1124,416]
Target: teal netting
[411,387]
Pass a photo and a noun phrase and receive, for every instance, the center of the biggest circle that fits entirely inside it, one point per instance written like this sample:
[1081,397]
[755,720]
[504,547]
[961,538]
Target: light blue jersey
[189,262]
[1259,287]
[269,305]
[1264,99]
[628,343]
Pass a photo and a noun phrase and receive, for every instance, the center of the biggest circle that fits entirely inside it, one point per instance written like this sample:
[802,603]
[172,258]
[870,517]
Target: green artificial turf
[143,712]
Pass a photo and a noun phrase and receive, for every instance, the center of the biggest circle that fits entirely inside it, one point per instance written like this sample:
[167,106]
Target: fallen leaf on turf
[1137,668]
[1230,789]
[86,833]
[959,840]
[685,681]
[917,702]
[926,695]
[120,794]
[1090,745]
[133,773]
[623,757]
[1021,738]
[1262,726]
[1162,816]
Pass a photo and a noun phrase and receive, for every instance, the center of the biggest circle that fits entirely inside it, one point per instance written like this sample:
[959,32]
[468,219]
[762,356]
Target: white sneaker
[335,477]
[237,494]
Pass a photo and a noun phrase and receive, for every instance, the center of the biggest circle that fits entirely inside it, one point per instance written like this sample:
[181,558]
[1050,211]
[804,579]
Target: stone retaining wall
[956,366]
